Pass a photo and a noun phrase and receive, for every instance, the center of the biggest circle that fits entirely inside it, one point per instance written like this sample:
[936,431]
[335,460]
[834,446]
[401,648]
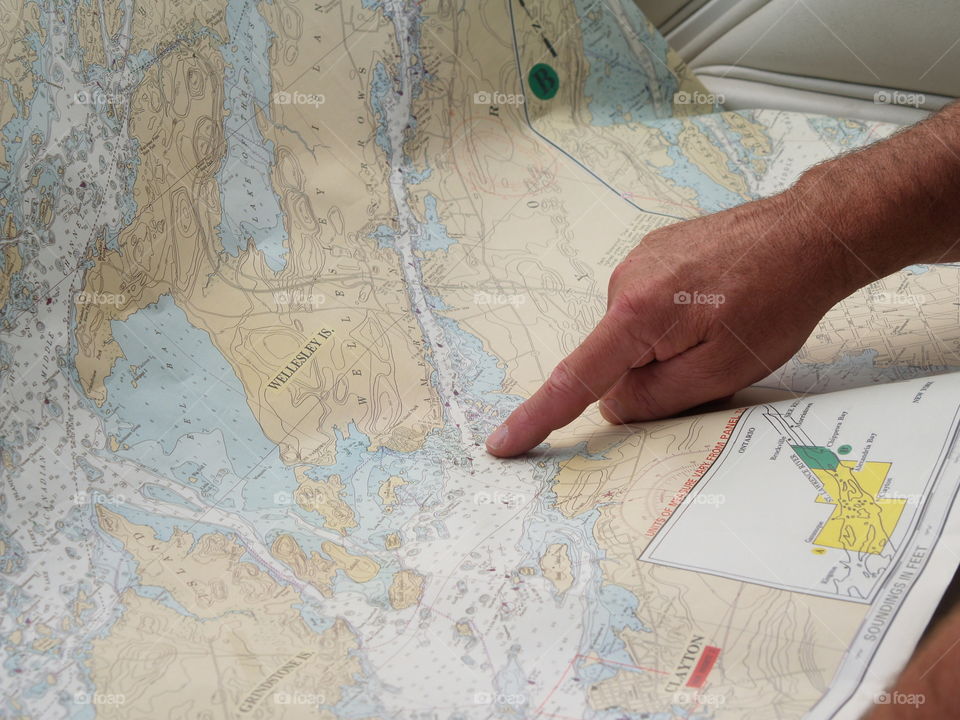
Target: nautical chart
[269,274]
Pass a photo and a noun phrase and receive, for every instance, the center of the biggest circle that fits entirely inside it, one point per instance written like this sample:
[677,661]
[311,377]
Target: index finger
[580,379]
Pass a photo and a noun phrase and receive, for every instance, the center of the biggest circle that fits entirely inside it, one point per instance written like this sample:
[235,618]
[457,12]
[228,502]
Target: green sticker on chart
[544,81]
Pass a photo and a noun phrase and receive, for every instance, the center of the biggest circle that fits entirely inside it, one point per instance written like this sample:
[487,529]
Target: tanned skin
[781,263]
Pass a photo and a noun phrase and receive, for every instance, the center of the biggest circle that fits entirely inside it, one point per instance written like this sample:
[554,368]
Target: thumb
[699,375]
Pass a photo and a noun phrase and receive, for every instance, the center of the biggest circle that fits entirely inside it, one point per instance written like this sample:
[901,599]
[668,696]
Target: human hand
[696,311]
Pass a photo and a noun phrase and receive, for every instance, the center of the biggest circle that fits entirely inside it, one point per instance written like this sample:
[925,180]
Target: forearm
[889,205]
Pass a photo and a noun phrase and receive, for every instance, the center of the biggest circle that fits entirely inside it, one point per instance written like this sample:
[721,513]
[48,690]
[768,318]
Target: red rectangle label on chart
[707,660]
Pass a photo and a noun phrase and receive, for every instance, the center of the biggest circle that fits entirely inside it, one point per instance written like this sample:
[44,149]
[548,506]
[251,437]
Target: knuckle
[624,309]
[562,383]
[616,278]
[624,315]
[655,325]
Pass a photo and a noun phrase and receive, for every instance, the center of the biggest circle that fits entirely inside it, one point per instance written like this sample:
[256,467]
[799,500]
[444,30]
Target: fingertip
[515,438]
[497,440]
[612,411]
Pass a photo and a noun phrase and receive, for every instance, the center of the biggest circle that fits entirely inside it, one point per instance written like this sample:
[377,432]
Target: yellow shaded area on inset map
[861,521]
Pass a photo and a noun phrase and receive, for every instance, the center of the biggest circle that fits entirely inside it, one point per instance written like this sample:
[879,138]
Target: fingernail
[611,410]
[497,438]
